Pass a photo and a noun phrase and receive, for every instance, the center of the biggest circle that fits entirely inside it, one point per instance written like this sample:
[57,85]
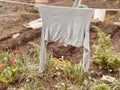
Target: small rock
[89,77]
[62,84]
[108,79]
[92,71]
[62,57]
[117,23]
[15,35]
[110,70]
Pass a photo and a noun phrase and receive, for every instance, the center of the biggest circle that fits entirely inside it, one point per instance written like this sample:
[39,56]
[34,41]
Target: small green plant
[1,30]
[104,53]
[109,17]
[34,79]
[35,51]
[22,14]
[76,73]
[33,82]
[63,86]
[1,5]
[101,87]
[116,85]
[34,10]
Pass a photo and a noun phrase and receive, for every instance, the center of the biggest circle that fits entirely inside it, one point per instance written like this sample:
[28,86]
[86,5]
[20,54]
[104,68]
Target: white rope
[16,2]
[110,9]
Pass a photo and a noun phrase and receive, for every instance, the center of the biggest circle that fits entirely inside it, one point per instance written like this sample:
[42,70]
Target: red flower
[2,67]
[13,60]
[16,51]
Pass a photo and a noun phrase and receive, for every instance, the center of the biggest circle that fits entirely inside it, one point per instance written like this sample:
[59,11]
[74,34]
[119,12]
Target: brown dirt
[13,16]
[102,3]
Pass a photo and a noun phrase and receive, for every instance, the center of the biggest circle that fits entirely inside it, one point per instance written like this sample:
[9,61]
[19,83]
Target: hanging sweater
[68,26]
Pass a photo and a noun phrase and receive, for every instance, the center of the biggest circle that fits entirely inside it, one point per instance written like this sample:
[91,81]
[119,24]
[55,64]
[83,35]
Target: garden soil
[13,16]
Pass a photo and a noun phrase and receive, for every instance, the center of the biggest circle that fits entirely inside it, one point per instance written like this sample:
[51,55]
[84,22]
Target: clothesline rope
[16,2]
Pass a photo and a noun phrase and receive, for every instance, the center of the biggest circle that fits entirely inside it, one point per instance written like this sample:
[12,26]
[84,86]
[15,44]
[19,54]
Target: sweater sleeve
[43,51]
[86,53]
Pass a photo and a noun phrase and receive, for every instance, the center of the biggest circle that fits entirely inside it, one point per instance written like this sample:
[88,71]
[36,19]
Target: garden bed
[13,16]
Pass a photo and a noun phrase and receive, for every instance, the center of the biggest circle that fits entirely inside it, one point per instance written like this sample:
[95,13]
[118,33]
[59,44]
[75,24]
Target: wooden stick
[75,3]
[80,1]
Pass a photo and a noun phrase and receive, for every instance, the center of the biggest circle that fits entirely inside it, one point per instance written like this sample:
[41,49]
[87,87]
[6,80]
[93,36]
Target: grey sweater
[68,26]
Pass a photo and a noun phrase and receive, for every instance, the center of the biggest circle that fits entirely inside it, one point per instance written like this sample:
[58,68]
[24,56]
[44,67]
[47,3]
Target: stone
[108,79]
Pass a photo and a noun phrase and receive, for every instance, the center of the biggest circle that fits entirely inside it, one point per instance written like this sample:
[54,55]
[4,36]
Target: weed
[1,30]
[1,5]
[116,85]
[108,17]
[101,87]
[104,53]
[63,86]
[22,14]
[34,10]
[76,73]
[35,51]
